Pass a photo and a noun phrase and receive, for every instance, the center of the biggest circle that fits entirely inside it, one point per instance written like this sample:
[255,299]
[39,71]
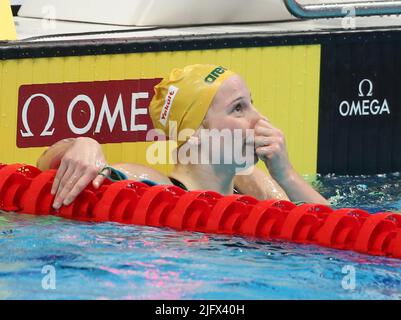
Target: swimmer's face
[232,108]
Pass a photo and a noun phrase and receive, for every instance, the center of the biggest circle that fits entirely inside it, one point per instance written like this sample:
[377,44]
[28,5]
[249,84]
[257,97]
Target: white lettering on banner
[136,111]
[364,107]
[111,119]
[46,131]
[104,114]
[89,102]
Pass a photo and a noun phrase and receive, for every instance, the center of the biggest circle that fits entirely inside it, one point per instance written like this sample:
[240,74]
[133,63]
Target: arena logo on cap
[172,92]
[214,75]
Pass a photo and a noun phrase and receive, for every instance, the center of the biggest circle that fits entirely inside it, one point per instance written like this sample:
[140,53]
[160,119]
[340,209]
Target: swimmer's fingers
[79,186]
[265,123]
[261,141]
[267,130]
[97,182]
[82,176]
[61,183]
[67,182]
[266,119]
[271,148]
[60,173]
[268,152]
[264,131]
[84,181]
[264,126]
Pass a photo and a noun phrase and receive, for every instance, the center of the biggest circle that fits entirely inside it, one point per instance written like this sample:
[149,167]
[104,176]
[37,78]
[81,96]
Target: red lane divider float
[26,189]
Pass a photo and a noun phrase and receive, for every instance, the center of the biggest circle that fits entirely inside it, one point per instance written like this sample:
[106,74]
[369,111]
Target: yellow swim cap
[183,97]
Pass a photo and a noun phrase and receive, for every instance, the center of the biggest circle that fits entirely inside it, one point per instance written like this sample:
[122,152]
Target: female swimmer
[198,98]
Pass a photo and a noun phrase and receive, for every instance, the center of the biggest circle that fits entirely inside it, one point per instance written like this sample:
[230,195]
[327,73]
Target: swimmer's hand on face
[79,166]
[270,147]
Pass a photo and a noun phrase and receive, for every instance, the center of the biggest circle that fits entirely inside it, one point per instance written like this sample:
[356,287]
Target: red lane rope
[26,189]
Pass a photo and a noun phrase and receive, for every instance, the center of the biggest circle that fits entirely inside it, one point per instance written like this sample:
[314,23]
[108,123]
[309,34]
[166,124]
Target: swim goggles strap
[114,176]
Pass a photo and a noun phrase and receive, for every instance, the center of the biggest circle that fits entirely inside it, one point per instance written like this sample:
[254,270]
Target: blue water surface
[113,261]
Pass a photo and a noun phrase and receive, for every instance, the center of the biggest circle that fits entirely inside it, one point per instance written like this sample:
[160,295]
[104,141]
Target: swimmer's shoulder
[139,172]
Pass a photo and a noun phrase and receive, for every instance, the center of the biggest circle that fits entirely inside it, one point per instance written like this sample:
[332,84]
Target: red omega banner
[107,111]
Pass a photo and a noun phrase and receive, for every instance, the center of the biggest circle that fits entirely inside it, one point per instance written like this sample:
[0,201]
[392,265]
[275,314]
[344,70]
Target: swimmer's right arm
[78,162]
[271,149]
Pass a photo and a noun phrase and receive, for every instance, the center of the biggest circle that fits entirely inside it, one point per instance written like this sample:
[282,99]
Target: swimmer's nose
[256,116]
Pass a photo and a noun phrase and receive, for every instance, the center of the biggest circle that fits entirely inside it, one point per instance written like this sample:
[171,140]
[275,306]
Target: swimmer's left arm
[271,149]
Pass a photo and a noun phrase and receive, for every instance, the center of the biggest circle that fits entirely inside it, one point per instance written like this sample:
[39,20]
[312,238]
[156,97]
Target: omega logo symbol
[365,105]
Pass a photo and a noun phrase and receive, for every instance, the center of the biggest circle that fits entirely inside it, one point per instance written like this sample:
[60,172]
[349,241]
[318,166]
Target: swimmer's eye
[238,108]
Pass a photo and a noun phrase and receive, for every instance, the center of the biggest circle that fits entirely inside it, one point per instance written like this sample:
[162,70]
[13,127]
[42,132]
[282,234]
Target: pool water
[53,258]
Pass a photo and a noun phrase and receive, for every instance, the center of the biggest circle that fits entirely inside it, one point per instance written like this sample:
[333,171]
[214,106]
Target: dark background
[359,144]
